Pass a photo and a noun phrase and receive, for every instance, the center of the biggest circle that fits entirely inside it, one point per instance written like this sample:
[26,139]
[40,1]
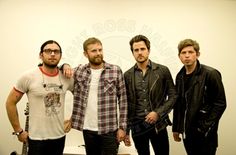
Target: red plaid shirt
[111,95]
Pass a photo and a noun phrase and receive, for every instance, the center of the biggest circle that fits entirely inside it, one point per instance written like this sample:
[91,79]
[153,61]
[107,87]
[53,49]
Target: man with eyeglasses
[46,88]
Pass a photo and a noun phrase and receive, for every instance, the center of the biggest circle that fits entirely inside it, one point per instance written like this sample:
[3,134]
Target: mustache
[99,56]
[140,56]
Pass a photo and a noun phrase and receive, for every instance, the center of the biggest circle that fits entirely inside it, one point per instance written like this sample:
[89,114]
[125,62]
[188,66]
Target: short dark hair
[139,38]
[188,42]
[49,42]
[89,41]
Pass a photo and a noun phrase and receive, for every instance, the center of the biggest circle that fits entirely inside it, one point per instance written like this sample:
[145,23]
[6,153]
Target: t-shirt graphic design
[52,99]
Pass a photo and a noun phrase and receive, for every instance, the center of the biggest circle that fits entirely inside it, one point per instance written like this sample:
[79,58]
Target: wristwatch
[18,133]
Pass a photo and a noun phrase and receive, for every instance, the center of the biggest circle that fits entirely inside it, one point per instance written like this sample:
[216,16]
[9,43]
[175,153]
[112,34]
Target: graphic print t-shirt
[46,96]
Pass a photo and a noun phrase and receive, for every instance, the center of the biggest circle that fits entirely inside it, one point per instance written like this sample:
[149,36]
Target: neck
[143,65]
[96,66]
[190,68]
[49,70]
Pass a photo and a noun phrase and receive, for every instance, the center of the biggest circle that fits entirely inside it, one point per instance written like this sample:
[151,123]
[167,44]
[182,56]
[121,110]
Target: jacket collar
[196,71]
[149,65]
[152,65]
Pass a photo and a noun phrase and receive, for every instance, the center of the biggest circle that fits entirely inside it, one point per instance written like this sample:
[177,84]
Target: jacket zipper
[185,112]
[206,134]
[150,100]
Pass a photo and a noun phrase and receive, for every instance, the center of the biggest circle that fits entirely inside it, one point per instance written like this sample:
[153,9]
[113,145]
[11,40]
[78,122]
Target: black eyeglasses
[50,51]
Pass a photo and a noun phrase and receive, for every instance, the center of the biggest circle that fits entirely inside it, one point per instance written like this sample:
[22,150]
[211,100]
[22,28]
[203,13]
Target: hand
[23,137]
[67,126]
[127,141]
[67,71]
[176,136]
[120,135]
[152,117]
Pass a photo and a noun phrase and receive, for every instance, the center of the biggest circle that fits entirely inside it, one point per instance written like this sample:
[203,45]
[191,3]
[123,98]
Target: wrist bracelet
[18,133]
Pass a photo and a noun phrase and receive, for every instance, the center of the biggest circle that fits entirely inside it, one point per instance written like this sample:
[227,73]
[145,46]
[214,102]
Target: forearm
[11,108]
[13,116]
[123,110]
[123,103]
[123,118]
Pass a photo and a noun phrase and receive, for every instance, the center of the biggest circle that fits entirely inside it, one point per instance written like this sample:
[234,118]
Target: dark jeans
[105,144]
[46,147]
[196,143]
[160,142]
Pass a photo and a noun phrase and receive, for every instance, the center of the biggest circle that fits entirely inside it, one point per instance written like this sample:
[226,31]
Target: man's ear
[198,54]
[85,54]
[40,55]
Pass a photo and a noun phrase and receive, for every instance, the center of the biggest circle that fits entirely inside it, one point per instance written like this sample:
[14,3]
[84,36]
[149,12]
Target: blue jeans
[46,147]
[160,142]
[105,144]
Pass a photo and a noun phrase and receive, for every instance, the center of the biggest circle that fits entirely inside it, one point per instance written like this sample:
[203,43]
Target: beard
[50,65]
[141,59]
[96,60]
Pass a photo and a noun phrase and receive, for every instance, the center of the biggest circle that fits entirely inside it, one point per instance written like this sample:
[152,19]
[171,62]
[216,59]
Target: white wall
[25,25]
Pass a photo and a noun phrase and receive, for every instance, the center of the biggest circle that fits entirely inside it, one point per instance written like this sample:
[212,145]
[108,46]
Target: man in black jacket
[200,104]
[151,95]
